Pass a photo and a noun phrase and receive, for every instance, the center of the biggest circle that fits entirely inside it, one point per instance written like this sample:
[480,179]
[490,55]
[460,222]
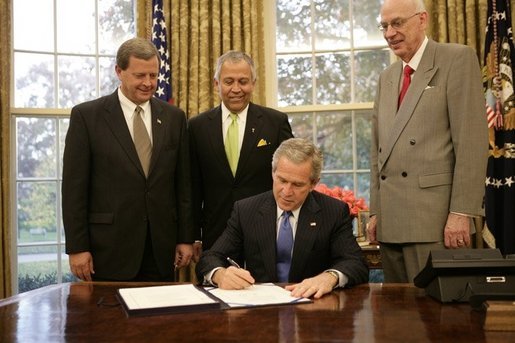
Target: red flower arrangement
[345,195]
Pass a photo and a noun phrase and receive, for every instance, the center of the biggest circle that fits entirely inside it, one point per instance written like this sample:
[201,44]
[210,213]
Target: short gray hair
[299,150]
[136,47]
[234,57]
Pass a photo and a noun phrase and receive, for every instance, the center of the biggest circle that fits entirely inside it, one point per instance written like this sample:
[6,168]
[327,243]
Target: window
[328,56]
[63,54]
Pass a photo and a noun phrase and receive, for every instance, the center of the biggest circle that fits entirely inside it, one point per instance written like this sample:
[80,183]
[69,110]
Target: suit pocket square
[262,142]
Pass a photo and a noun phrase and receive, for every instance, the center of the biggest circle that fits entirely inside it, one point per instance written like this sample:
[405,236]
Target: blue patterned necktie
[284,247]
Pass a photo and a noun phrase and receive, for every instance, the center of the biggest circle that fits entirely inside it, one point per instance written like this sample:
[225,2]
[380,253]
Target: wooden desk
[368,313]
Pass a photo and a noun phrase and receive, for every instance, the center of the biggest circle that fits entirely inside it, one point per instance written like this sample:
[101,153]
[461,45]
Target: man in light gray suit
[429,148]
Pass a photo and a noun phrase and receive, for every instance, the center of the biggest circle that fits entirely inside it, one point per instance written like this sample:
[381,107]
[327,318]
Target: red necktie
[405,83]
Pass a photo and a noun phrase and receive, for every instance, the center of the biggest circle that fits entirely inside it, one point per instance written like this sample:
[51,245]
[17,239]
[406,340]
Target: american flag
[498,84]
[164,88]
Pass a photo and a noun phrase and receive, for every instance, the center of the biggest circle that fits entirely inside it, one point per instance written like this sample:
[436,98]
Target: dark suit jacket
[215,189]
[107,201]
[323,240]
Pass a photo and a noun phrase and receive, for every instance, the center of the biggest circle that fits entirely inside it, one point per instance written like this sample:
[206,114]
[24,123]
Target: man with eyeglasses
[429,144]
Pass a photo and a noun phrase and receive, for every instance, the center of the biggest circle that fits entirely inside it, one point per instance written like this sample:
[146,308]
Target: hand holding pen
[233,277]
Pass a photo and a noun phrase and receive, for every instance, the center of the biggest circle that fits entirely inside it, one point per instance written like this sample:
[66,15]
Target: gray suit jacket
[107,201]
[429,157]
[323,240]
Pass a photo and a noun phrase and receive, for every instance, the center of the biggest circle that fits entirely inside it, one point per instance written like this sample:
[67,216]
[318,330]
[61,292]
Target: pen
[233,263]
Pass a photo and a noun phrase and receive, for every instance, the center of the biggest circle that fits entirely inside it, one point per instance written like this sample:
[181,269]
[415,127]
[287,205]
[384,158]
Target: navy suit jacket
[323,240]
[215,189]
[108,204]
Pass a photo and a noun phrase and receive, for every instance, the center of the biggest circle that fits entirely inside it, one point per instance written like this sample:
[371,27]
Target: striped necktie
[141,140]
[284,247]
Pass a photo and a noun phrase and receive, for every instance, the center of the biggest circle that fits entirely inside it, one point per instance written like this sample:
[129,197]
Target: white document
[164,296]
[256,295]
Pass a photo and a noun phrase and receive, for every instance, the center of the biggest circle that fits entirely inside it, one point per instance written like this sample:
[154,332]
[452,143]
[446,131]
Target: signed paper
[164,296]
[256,295]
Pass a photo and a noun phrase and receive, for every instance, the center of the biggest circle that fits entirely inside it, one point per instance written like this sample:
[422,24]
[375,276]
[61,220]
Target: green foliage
[29,282]
[39,274]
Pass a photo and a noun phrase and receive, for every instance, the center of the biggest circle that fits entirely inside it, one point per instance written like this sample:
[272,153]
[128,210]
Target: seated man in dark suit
[290,234]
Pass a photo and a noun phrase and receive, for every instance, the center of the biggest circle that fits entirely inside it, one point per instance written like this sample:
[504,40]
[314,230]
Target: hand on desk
[81,265]
[315,286]
[232,278]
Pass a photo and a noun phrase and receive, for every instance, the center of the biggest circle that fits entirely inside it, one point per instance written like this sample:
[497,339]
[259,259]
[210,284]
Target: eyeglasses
[396,24]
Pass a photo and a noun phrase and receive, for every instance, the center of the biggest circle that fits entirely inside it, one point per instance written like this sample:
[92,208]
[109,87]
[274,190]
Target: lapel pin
[313,224]
[253,129]
[158,121]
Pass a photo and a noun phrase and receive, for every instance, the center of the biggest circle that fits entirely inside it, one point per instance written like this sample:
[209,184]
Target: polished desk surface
[367,313]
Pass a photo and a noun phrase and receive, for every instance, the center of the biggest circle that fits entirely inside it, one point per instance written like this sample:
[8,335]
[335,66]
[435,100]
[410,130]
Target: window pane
[33,80]
[38,267]
[364,187]
[63,129]
[332,24]
[76,26]
[334,137]
[302,125]
[342,180]
[77,80]
[36,147]
[369,64]
[366,17]
[108,79]
[34,29]
[293,25]
[115,24]
[333,79]
[294,79]
[363,136]
[36,211]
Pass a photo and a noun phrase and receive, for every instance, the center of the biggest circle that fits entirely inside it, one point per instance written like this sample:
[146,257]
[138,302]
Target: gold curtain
[199,32]
[5,74]
[460,21]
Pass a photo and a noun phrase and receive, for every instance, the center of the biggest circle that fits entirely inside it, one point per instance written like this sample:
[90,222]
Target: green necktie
[231,143]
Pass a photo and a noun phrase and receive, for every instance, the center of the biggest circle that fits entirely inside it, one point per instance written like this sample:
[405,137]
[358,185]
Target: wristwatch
[336,276]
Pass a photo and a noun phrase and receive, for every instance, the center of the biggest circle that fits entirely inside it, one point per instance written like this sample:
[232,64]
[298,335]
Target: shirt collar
[242,116]
[294,212]
[415,60]
[129,107]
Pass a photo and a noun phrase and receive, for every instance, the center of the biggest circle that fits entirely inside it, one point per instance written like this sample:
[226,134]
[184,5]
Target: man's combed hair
[234,56]
[136,47]
[299,150]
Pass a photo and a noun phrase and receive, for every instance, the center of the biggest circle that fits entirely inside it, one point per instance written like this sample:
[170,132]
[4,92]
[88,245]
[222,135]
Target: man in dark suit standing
[126,190]
[289,234]
[220,176]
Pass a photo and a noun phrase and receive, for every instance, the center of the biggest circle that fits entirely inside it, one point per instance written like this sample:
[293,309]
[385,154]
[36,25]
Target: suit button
[412,141]
[383,177]
[404,174]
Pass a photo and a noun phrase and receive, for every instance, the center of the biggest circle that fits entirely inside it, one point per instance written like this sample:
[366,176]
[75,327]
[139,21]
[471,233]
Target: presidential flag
[500,112]
[164,88]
